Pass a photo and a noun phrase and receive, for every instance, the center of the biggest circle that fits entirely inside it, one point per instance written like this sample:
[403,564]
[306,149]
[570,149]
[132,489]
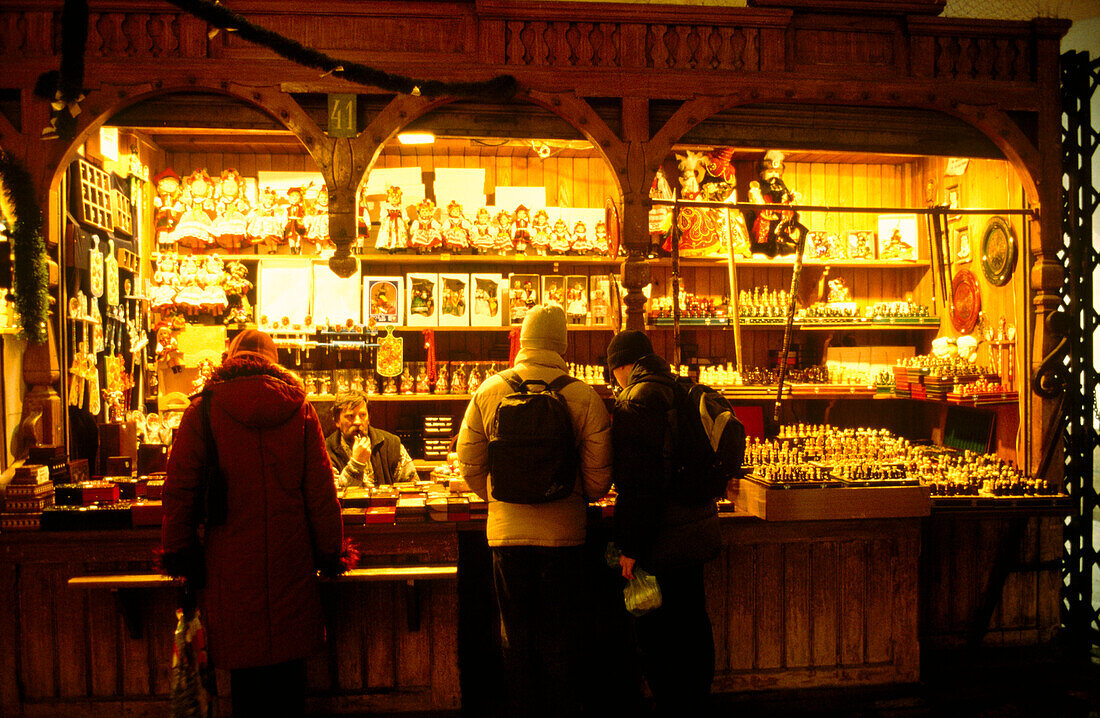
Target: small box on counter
[355,497]
[21,492]
[118,466]
[30,475]
[449,508]
[353,516]
[80,518]
[78,471]
[381,515]
[117,439]
[33,505]
[146,513]
[154,487]
[130,488]
[383,496]
[45,454]
[411,508]
[86,492]
[152,458]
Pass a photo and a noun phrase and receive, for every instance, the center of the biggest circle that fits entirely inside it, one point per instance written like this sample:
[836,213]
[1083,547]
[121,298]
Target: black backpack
[534,457]
[709,442]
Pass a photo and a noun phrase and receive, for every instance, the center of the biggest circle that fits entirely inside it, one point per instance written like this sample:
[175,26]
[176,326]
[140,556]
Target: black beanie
[626,348]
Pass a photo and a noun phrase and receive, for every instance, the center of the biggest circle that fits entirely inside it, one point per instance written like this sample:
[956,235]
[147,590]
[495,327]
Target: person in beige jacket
[537,549]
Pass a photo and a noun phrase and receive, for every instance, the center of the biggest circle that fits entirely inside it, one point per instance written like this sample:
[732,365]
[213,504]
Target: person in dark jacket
[361,454]
[261,604]
[659,531]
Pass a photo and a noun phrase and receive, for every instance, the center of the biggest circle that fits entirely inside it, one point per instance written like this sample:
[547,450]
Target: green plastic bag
[642,594]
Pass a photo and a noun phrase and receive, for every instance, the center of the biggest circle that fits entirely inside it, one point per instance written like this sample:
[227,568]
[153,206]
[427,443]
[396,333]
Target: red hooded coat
[261,604]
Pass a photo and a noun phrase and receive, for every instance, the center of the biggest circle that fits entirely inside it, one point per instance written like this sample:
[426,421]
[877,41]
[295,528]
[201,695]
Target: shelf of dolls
[398,258]
[780,324]
[762,261]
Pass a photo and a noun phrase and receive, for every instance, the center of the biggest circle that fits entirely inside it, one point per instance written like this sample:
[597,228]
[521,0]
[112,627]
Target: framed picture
[953,201]
[454,300]
[486,308]
[383,299]
[960,245]
[336,301]
[283,293]
[523,293]
[422,299]
[861,245]
[576,298]
[553,290]
[897,237]
[817,245]
[599,298]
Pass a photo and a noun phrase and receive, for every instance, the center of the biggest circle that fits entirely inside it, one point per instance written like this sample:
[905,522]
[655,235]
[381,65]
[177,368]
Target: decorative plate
[966,302]
[998,252]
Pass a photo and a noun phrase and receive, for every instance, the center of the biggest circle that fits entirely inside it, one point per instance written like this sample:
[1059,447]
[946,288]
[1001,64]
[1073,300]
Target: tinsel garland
[30,272]
[502,87]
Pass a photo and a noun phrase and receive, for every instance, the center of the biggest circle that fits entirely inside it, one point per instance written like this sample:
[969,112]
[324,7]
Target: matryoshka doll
[295,227]
[393,233]
[521,229]
[581,243]
[231,225]
[540,232]
[265,225]
[484,238]
[167,208]
[425,232]
[503,230]
[456,228]
[560,239]
[197,221]
[317,220]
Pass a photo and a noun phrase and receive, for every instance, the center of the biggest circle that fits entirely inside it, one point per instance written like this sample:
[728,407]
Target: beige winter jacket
[556,523]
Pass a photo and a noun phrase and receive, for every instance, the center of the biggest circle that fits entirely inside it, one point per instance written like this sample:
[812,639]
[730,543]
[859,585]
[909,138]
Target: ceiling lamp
[416,138]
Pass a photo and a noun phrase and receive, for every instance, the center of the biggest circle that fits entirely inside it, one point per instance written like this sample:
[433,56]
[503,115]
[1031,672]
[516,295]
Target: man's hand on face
[361,448]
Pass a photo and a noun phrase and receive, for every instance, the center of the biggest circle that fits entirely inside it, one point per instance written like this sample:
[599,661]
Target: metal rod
[830,208]
[795,279]
[676,286]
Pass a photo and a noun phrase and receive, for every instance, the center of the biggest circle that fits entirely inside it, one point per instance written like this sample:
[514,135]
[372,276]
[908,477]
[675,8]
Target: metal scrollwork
[1052,376]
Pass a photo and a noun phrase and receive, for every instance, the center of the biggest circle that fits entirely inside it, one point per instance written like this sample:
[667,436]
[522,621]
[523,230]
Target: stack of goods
[449,475]
[980,392]
[762,306]
[411,504]
[970,474]
[27,496]
[903,312]
[931,376]
[437,437]
[447,507]
[693,310]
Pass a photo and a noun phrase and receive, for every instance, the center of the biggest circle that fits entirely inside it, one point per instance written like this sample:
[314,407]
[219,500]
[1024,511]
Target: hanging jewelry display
[998,252]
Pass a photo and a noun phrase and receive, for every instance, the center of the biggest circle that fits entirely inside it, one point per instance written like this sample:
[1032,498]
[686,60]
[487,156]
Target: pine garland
[502,87]
[30,272]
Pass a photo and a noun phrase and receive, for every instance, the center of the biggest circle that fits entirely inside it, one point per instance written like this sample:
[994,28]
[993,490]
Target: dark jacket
[261,604]
[652,523]
[384,457]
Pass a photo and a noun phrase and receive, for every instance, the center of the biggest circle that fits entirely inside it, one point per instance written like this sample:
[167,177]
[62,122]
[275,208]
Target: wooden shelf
[781,324]
[377,259]
[761,261]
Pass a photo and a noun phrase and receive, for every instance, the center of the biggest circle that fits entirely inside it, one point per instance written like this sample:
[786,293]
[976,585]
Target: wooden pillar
[635,183]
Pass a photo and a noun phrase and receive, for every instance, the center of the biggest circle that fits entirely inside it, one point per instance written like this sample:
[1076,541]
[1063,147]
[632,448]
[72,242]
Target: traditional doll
[169,355]
[503,222]
[599,242]
[581,243]
[456,228]
[560,239]
[483,238]
[406,380]
[442,379]
[393,233]
[362,213]
[266,223]
[772,228]
[458,380]
[422,386]
[197,221]
[165,283]
[540,232]
[190,297]
[660,217]
[521,229]
[317,221]
[425,232]
[576,306]
[213,276]
[231,224]
[167,208]
[295,227]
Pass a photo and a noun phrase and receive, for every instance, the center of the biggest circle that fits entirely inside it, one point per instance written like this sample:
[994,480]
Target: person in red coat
[257,570]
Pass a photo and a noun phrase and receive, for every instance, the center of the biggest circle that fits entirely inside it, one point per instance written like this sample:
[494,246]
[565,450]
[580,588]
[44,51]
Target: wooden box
[872,502]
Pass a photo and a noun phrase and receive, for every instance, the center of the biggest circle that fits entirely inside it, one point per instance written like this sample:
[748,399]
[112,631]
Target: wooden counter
[793,604]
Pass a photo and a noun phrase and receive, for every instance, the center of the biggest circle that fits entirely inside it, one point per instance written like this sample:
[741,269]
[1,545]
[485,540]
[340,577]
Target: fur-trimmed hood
[256,393]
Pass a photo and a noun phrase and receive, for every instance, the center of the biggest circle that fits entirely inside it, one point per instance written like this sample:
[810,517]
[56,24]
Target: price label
[342,115]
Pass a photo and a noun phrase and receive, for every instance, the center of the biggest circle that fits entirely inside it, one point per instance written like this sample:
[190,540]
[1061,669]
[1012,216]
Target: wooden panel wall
[815,603]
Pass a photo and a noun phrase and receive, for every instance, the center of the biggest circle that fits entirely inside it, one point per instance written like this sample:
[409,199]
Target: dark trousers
[276,690]
[677,646]
[538,595]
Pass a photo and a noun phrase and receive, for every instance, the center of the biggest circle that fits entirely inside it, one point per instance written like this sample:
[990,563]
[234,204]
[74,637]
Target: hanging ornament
[95,268]
[98,340]
[110,274]
[391,352]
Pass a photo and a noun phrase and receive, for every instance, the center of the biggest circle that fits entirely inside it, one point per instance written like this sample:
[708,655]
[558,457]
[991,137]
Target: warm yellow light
[416,138]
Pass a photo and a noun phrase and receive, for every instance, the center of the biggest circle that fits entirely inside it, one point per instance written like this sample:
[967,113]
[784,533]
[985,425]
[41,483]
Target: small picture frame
[523,293]
[961,251]
[383,299]
[817,245]
[553,290]
[576,298]
[897,237]
[422,299]
[454,300]
[599,299]
[861,244]
[487,307]
[953,200]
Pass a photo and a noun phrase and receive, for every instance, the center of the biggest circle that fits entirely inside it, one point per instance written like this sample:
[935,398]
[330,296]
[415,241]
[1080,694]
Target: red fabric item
[261,604]
[429,346]
[513,345]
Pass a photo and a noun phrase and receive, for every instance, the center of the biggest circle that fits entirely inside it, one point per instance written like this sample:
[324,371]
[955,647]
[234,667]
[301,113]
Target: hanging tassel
[429,346]
[513,345]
